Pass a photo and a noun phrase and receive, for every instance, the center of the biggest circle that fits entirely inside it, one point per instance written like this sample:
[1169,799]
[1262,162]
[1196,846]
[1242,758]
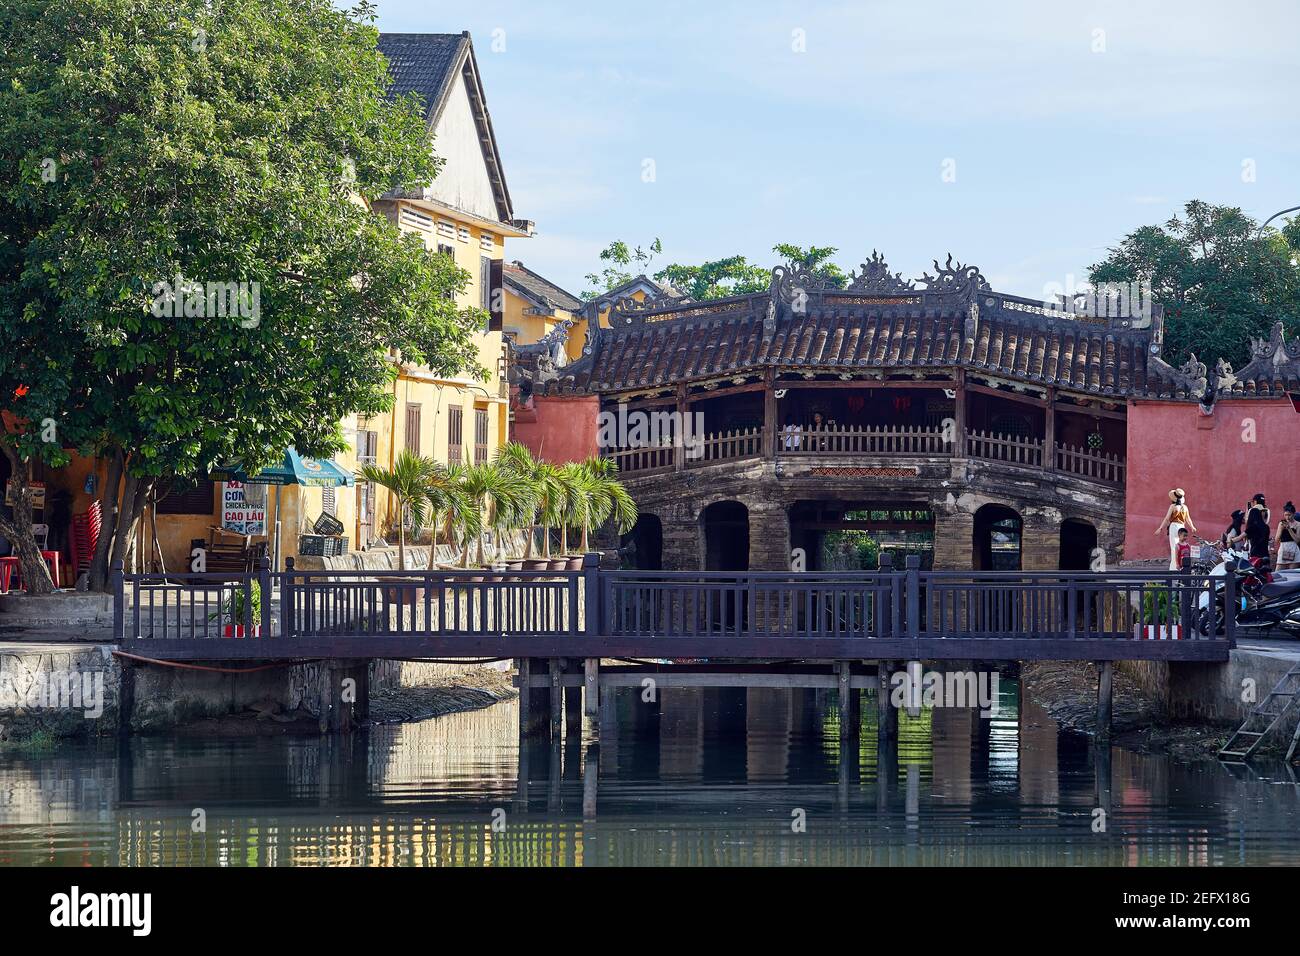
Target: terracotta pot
[536,564]
[237,630]
[406,594]
[575,562]
[557,564]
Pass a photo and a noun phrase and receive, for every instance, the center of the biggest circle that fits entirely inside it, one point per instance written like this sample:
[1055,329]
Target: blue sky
[1066,124]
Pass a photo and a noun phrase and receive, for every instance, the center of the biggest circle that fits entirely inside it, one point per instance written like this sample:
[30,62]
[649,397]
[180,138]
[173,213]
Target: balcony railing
[848,440]
[869,441]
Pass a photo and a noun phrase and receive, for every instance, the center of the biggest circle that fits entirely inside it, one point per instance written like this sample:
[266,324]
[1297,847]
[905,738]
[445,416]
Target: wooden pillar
[361,709]
[525,698]
[847,727]
[1105,678]
[1049,435]
[679,445]
[886,712]
[591,690]
[557,700]
[771,425]
[959,414]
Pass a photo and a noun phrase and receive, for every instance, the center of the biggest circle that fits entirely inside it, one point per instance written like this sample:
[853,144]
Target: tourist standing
[1287,539]
[1177,518]
[1257,530]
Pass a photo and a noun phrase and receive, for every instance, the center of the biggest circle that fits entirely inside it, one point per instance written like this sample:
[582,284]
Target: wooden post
[1105,677]
[1049,436]
[679,444]
[591,686]
[959,414]
[557,700]
[771,425]
[915,676]
[361,710]
[886,712]
[846,704]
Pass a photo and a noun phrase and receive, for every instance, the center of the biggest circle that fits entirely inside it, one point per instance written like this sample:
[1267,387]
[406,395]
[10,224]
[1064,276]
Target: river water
[720,777]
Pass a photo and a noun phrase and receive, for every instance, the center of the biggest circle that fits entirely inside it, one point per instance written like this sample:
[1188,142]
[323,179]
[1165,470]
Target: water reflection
[706,776]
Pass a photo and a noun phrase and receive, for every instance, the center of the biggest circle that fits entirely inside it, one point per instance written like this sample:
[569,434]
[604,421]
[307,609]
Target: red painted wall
[557,429]
[1175,445]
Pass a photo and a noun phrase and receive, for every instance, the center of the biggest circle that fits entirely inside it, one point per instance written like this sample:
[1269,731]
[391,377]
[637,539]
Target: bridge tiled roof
[878,323]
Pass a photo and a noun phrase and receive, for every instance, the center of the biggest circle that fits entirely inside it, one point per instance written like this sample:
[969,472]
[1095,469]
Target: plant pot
[575,562]
[407,595]
[536,564]
[237,630]
[515,564]
[557,564]
[1158,632]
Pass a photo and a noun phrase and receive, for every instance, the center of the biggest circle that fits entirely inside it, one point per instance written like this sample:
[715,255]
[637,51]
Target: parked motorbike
[1267,601]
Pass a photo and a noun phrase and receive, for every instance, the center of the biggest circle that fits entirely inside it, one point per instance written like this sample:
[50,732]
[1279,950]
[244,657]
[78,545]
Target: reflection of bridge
[808,628]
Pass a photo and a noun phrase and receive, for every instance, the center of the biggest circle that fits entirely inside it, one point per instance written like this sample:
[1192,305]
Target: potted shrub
[240,606]
[1157,620]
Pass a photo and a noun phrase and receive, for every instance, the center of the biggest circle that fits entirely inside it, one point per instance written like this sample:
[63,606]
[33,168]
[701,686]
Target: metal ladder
[1255,729]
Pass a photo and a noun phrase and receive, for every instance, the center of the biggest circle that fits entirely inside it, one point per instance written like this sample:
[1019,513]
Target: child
[1184,551]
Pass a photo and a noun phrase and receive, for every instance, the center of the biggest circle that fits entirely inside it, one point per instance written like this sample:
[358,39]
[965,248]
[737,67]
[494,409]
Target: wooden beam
[720,392]
[770,423]
[1010,396]
[1049,434]
[1073,409]
[864,383]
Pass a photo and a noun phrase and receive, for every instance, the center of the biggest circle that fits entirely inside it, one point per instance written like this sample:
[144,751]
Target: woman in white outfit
[1176,518]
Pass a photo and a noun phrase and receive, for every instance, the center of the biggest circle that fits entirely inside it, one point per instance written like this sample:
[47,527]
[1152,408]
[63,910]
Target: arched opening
[726,536]
[996,545]
[726,548]
[1078,544]
[642,548]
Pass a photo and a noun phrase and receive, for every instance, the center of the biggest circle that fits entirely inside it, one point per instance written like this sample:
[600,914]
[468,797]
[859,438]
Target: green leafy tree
[548,495]
[718,278]
[816,259]
[622,264]
[238,143]
[503,497]
[1220,282]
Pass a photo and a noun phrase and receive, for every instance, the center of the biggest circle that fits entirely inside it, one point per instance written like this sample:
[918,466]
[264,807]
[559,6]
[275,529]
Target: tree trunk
[32,567]
[585,548]
[401,535]
[108,510]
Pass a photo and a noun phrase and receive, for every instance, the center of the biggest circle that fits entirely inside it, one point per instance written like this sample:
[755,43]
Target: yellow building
[465,213]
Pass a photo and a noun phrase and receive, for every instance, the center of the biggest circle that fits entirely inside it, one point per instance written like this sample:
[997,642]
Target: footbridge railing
[908,613]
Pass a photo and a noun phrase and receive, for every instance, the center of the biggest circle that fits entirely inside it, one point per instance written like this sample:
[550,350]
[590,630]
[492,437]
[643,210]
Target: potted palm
[500,495]
[1157,618]
[412,481]
[608,500]
[579,487]
[547,500]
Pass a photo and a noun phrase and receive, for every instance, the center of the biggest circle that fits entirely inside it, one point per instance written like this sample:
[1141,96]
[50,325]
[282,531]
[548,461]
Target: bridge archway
[999,531]
[726,536]
[1078,542]
[642,548]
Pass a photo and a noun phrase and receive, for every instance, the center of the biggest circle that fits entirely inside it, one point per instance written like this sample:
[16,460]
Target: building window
[462,233]
[187,498]
[480,435]
[485,282]
[447,228]
[413,428]
[455,434]
[416,219]
[487,241]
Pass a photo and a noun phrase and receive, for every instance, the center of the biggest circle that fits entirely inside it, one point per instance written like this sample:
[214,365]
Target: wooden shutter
[480,435]
[455,434]
[413,428]
[496,297]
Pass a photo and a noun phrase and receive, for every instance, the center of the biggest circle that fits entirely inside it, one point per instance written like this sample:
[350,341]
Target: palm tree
[608,499]
[548,495]
[503,497]
[578,487]
[409,481]
[453,512]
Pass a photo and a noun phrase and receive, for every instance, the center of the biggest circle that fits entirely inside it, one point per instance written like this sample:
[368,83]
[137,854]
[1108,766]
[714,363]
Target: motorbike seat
[1281,588]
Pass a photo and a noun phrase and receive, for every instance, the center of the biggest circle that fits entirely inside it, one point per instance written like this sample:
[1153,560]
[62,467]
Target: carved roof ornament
[876,279]
[954,278]
[795,285]
[1275,348]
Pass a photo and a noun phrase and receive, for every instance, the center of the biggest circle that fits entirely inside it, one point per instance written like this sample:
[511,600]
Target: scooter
[1267,601]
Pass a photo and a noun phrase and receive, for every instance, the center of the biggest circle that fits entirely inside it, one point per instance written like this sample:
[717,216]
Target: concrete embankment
[51,690]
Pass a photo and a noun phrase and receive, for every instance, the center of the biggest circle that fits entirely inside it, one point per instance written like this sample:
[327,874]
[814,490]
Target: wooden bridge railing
[867,440]
[756,615]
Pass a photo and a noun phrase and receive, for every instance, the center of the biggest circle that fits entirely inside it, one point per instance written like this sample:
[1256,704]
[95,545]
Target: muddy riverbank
[1068,691]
